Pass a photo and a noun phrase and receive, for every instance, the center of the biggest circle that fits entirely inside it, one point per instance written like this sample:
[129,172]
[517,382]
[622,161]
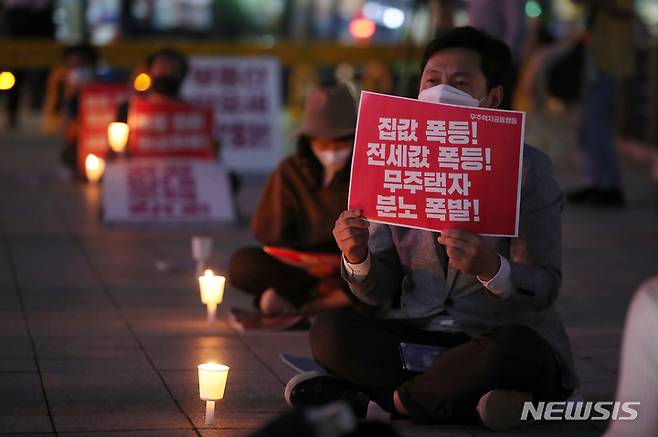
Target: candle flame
[92,162]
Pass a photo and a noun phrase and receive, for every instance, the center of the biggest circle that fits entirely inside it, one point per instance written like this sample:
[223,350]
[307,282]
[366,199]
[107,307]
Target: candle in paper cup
[94,167]
[212,384]
[117,135]
[212,287]
[201,251]
[212,291]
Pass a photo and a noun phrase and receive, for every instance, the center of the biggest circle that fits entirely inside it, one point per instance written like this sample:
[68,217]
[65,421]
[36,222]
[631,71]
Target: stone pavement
[94,340]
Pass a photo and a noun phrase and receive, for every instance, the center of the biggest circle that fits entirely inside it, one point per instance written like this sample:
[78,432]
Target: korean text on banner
[97,109]
[433,166]
[169,128]
[163,190]
[245,93]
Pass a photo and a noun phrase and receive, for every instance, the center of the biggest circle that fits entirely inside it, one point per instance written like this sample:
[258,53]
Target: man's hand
[351,234]
[470,254]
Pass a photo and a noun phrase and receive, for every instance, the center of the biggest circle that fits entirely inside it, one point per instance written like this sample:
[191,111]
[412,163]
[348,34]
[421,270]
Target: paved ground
[95,341]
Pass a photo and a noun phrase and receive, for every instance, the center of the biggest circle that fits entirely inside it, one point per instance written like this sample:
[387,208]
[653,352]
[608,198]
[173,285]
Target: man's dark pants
[365,350]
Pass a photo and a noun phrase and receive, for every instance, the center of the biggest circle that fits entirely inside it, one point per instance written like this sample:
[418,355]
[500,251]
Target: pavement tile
[10,365]
[187,359]
[56,262]
[12,324]
[227,432]
[607,358]
[576,429]
[224,341]
[44,299]
[270,355]
[15,347]
[408,428]
[183,326]
[22,406]
[129,418]
[87,349]
[233,419]
[94,323]
[135,433]
[241,385]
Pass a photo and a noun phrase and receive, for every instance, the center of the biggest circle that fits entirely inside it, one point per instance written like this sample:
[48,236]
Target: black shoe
[583,195]
[310,389]
[610,198]
[592,196]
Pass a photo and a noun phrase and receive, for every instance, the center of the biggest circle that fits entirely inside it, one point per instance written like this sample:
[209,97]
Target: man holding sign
[485,303]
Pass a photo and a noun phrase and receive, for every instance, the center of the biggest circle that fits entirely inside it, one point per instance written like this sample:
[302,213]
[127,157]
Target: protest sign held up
[245,94]
[98,107]
[169,128]
[434,166]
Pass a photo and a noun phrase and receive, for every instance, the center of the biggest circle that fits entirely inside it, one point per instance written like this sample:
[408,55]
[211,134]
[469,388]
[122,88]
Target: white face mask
[450,95]
[333,159]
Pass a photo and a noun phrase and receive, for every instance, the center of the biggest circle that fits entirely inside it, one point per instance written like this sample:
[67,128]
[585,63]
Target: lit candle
[94,167]
[212,383]
[117,135]
[212,292]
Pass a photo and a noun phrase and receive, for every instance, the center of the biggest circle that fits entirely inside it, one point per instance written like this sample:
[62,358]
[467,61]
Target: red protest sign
[97,109]
[169,128]
[432,166]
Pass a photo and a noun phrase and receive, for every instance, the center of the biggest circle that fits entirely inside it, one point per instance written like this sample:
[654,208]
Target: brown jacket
[295,210]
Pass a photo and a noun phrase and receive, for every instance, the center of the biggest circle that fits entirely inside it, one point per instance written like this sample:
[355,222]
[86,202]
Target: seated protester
[167,68]
[79,65]
[488,301]
[299,205]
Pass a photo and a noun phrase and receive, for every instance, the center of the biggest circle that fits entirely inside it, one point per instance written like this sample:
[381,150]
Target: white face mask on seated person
[443,93]
[332,154]
[332,158]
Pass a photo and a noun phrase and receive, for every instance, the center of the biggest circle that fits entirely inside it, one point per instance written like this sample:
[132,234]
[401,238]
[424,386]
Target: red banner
[172,128]
[97,109]
[432,166]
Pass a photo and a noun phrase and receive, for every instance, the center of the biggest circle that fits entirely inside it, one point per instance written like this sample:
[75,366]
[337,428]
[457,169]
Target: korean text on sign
[431,166]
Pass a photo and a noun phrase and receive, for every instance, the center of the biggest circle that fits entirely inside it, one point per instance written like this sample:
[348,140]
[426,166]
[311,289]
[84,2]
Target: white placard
[166,190]
[246,96]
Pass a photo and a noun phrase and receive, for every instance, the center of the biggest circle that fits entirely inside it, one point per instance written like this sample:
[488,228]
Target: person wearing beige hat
[298,207]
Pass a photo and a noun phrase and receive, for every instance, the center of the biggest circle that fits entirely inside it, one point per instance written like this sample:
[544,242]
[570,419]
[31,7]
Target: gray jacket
[408,281]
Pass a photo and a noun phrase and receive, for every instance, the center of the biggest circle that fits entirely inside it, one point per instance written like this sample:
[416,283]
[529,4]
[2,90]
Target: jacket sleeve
[535,256]
[273,223]
[385,276]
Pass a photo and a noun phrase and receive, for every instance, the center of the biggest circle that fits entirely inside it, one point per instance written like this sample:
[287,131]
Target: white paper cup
[201,248]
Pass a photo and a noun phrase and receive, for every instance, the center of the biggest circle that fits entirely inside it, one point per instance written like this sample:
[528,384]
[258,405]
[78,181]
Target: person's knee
[514,336]
[242,266]
[327,336]
[509,343]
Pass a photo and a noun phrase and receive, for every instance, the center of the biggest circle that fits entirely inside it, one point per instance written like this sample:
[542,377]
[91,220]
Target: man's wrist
[492,270]
[357,271]
[356,260]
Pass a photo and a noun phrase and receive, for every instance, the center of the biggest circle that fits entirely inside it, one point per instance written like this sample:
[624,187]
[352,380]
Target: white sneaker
[272,304]
[500,410]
